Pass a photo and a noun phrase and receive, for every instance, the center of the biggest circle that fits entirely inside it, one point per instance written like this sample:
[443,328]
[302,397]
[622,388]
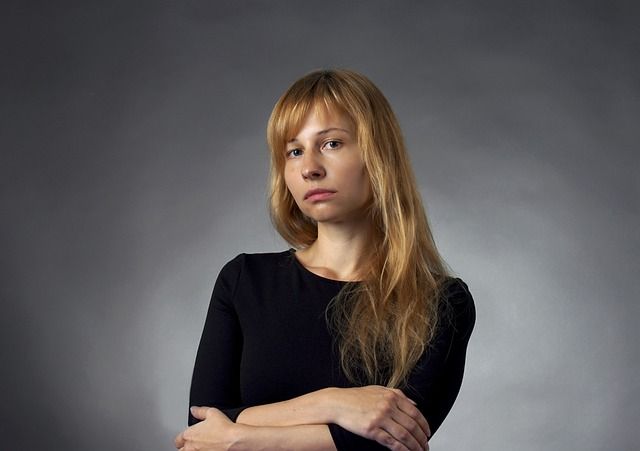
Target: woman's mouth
[318,194]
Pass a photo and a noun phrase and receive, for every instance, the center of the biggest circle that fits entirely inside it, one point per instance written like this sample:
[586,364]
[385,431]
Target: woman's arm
[216,369]
[374,412]
[216,433]
[437,378]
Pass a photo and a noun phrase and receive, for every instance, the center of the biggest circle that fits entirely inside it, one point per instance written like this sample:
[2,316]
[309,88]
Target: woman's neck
[338,253]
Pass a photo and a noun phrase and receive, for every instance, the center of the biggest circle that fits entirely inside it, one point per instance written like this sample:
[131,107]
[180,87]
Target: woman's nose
[312,170]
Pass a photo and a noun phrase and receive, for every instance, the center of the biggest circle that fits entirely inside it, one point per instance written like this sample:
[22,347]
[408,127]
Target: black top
[266,340]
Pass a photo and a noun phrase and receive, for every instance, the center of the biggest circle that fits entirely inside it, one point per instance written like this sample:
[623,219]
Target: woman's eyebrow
[324,132]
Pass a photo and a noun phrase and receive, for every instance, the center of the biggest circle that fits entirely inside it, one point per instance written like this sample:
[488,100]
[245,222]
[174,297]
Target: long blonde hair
[385,322]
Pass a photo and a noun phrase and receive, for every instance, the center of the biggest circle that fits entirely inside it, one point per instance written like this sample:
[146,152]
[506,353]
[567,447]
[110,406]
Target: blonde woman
[355,338]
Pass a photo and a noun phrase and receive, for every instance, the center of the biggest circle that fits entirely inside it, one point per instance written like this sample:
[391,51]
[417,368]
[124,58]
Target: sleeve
[215,380]
[436,379]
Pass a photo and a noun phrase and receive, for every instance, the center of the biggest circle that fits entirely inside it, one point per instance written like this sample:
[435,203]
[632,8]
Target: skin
[324,154]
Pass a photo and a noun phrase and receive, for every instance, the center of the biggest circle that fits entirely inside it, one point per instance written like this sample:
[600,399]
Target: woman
[356,337]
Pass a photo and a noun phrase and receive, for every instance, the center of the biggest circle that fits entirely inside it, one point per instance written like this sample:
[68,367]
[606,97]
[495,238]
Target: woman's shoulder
[261,262]
[458,304]
[456,291]
[250,270]
[262,258]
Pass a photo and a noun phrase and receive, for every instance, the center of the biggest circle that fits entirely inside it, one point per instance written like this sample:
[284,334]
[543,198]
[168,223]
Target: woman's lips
[318,194]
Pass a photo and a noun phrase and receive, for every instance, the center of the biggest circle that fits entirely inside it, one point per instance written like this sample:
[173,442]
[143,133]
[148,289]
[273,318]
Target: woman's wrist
[329,403]
[242,437]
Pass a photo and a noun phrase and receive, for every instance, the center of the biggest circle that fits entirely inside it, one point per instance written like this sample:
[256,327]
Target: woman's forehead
[323,112]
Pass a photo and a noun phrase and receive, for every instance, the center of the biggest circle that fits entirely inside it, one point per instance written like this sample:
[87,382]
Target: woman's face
[324,170]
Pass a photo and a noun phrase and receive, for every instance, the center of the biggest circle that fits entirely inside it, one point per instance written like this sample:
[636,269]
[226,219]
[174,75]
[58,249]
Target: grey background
[133,166]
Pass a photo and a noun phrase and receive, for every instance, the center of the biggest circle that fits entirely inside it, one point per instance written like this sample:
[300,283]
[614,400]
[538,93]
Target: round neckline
[292,252]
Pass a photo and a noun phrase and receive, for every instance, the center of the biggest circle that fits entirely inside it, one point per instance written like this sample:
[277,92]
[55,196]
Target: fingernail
[191,409]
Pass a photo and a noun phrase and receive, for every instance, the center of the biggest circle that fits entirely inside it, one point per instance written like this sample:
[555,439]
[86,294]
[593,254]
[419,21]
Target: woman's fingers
[415,416]
[407,424]
[179,441]
[408,431]
[406,437]
[408,406]
[386,439]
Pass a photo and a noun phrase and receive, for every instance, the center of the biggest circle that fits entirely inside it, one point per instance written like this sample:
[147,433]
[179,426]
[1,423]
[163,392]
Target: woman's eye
[294,152]
[332,144]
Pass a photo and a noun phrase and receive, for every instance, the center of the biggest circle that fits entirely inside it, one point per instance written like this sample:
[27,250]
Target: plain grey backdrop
[133,166]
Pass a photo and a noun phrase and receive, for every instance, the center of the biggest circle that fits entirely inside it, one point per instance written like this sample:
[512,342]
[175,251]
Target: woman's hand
[382,414]
[215,433]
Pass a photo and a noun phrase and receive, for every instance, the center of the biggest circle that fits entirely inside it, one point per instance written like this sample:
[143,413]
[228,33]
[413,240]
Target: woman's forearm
[310,409]
[298,438]
[376,413]
[217,433]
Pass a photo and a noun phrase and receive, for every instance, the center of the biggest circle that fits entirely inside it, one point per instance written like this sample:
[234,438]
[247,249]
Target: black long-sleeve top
[266,339]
